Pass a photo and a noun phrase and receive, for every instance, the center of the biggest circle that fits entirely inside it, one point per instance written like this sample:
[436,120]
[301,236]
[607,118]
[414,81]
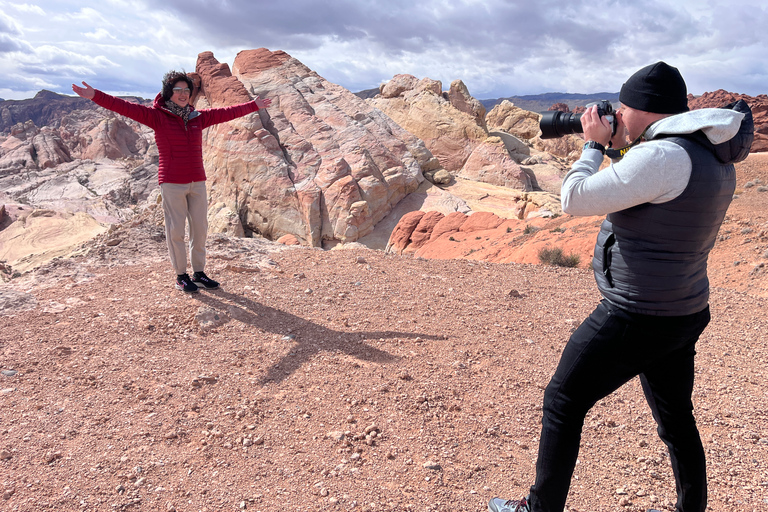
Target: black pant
[608,349]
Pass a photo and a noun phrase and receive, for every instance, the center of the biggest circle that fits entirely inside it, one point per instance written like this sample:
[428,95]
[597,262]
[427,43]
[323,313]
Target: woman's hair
[170,79]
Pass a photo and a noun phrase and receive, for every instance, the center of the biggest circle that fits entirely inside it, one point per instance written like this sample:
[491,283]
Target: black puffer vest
[652,258]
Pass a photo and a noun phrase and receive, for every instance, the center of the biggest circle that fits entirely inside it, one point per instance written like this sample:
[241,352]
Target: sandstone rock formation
[491,162]
[320,163]
[511,119]
[485,236]
[455,128]
[88,160]
[38,236]
[451,124]
[525,124]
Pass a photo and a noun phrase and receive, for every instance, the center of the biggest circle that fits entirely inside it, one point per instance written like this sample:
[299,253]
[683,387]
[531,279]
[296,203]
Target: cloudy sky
[497,47]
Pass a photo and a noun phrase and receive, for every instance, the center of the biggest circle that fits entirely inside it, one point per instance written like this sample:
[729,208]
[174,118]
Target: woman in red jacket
[179,136]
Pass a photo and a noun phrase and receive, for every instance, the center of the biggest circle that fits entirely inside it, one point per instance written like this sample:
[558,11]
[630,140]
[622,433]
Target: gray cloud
[497,47]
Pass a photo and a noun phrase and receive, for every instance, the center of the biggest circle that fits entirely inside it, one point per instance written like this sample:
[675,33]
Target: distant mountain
[533,102]
[46,108]
[542,102]
[368,93]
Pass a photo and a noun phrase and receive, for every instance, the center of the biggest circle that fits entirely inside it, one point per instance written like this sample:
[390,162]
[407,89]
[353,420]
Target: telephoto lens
[556,123]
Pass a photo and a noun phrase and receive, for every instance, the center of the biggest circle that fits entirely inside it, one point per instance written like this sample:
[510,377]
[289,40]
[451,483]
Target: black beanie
[658,88]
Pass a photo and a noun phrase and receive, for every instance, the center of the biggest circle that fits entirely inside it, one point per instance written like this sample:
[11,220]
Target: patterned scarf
[182,112]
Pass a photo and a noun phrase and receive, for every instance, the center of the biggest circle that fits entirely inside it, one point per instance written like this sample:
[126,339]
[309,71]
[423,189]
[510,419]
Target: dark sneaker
[200,279]
[502,505]
[184,283]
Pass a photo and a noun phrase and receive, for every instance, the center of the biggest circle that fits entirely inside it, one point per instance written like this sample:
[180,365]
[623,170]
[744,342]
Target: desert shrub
[530,229]
[557,258]
[749,184]
[762,188]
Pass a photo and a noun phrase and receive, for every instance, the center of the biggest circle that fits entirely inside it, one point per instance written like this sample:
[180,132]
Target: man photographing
[664,202]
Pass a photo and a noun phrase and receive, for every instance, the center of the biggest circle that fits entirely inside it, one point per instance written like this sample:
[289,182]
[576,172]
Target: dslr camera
[556,123]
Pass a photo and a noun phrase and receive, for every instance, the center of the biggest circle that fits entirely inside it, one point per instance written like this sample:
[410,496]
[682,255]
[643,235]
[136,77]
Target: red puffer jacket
[180,148]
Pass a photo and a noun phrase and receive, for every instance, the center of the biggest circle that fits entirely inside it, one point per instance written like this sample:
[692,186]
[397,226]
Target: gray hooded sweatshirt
[665,201]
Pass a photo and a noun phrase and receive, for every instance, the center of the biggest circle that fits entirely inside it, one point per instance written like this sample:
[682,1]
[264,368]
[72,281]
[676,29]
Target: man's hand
[86,92]
[620,139]
[596,128]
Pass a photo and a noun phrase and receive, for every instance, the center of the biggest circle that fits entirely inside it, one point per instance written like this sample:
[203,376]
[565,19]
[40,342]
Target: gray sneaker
[502,505]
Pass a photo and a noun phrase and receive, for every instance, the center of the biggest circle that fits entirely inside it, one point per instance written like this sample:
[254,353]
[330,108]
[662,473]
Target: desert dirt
[348,380]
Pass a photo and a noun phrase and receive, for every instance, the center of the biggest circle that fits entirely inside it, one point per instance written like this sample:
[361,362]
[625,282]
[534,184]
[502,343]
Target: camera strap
[618,154]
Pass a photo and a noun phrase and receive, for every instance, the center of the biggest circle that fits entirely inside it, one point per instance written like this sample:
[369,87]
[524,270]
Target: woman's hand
[261,103]
[86,92]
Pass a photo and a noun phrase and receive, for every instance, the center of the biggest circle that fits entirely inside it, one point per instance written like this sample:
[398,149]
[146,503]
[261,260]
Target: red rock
[249,62]
[423,231]
[288,240]
[401,235]
[448,224]
[480,221]
[219,87]
[319,163]
[562,107]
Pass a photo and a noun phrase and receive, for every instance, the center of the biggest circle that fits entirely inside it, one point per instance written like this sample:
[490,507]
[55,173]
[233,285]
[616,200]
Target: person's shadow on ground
[311,338]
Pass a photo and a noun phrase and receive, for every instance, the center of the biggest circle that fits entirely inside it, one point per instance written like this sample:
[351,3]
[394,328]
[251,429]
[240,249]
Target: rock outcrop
[485,236]
[450,124]
[455,128]
[37,236]
[525,125]
[320,163]
[492,163]
[88,160]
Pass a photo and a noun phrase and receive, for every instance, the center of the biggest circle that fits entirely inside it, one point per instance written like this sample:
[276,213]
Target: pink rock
[460,98]
[490,162]
[399,85]
[218,85]
[320,163]
[449,133]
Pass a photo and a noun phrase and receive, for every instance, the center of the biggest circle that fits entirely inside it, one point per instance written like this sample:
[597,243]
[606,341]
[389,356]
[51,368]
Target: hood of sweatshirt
[730,129]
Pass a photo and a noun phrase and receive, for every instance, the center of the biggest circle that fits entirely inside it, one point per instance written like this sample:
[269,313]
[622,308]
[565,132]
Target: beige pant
[182,202]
